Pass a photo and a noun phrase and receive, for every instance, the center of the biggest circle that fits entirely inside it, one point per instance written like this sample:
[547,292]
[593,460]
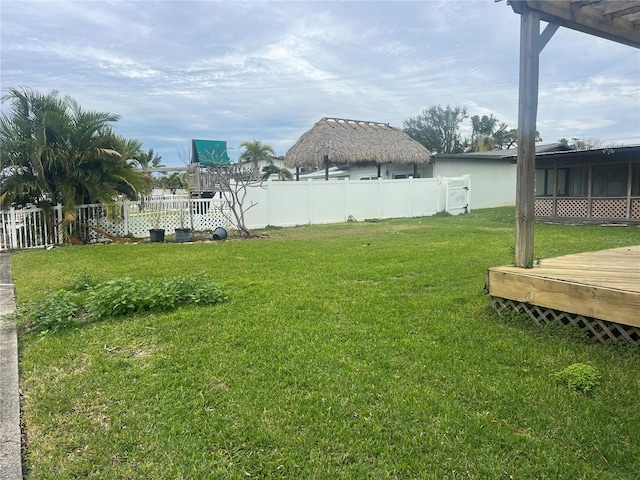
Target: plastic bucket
[219,233]
[156,235]
[183,235]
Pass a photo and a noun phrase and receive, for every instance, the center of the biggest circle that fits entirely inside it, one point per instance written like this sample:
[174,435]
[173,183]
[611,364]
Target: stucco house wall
[389,171]
[493,173]
[493,181]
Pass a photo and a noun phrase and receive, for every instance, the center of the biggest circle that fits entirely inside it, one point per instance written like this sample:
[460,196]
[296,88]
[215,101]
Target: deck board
[603,284]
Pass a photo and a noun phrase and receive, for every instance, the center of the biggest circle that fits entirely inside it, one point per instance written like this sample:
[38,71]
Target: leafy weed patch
[579,376]
[85,301]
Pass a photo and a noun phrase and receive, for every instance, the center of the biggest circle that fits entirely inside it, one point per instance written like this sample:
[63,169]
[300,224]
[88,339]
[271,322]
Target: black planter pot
[156,235]
[183,235]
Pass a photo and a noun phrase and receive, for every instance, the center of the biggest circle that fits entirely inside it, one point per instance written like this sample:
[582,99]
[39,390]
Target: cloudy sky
[268,70]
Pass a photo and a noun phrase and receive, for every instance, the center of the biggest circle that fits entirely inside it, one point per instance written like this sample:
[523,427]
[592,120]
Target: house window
[369,177]
[635,180]
[544,182]
[610,180]
[578,181]
[563,182]
[400,176]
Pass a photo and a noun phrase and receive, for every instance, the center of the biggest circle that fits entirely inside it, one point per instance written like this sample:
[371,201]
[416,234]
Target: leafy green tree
[485,132]
[137,157]
[488,133]
[54,152]
[509,139]
[438,128]
[581,143]
[255,151]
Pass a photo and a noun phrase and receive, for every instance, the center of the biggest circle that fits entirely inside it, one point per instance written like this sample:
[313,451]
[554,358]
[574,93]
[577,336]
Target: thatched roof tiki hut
[339,141]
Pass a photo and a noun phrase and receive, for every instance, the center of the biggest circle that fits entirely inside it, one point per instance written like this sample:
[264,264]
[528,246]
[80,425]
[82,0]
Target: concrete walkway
[10,446]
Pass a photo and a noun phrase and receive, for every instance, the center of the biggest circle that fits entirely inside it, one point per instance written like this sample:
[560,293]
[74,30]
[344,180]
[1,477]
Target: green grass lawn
[361,350]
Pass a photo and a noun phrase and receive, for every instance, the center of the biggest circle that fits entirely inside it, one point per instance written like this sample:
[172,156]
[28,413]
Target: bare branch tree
[234,181]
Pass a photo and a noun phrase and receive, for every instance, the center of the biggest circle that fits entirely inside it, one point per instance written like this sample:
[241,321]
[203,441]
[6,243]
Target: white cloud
[268,70]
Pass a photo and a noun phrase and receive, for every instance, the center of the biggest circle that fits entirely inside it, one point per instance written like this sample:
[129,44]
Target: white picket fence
[33,227]
[275,203]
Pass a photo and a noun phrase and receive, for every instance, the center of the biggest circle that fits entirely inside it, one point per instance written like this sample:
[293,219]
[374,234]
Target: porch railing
[589,209]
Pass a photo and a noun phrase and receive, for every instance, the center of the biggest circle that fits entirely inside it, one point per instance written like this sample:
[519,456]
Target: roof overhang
[617,20]
[622,154]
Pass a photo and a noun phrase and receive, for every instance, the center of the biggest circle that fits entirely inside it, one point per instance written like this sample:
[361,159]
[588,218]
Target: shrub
[55,311]
[114,298]
[82,282]
[119,297]
[579,376]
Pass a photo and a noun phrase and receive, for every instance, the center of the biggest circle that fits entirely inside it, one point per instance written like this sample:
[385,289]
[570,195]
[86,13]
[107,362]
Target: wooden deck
[603,285]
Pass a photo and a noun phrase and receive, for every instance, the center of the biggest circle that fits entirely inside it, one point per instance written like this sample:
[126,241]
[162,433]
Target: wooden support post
[297,174]
[527,113]
[629,190]
[379,171]
[326,167]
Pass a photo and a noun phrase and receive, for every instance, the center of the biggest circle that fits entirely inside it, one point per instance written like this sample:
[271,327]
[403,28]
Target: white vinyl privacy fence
[275,204]
[313,202]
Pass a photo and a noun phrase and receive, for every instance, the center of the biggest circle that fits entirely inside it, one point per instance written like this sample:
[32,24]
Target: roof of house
[601,155]
[553,151]
[508,154]
[344,141]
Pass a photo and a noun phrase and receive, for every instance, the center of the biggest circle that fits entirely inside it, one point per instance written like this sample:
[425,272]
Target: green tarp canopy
[209,152]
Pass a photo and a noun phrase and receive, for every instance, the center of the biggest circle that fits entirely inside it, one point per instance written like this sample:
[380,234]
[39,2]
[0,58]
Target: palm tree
[54,152]
[173,181]
[30,137]
[255,151]
[148,159]
[283,173]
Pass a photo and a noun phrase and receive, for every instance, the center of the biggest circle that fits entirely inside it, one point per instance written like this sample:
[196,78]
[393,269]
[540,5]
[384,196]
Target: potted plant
[183,234]
[156,234]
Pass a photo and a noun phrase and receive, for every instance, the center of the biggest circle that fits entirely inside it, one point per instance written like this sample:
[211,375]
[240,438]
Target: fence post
[346,199]
[14,228]
[269,185]
[447,189]
[380,197]
[58,233]
[310,199]
[411,197]
[125,217]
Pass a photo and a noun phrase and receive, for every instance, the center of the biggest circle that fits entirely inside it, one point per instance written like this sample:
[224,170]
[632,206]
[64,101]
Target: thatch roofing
[352,142]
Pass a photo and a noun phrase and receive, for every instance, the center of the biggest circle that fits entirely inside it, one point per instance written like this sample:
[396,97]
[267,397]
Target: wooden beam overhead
[618,21]
[621,9]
